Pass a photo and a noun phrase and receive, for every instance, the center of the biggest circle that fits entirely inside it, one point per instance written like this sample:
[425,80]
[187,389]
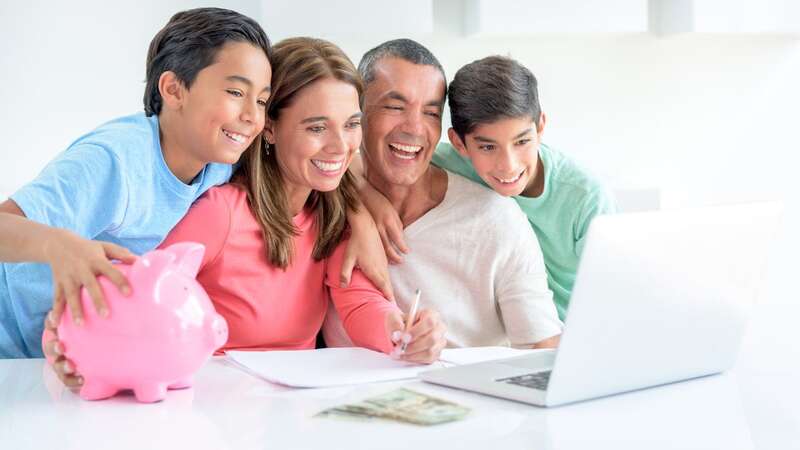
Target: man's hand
[76,262]
[366,251]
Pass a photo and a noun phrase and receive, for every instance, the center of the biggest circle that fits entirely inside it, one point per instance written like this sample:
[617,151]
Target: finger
[66,373]
[381,281]
[53,348]
[394,326]
[427,321]
[348,265]
[96,294]
[50,324]
[58,306]
[391,253]
[74,304]
[117,278]
[397,238]
[114,251]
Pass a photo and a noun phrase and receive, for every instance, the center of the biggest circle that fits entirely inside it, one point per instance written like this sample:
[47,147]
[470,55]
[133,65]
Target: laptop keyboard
[536,380]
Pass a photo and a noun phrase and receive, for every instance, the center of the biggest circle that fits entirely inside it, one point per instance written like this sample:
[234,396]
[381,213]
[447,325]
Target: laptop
[659,297]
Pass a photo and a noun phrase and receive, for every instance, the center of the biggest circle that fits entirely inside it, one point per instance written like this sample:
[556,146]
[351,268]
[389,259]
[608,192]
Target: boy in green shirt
[496,141]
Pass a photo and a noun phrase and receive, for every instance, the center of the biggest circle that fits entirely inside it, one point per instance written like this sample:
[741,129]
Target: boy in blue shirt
[122,187]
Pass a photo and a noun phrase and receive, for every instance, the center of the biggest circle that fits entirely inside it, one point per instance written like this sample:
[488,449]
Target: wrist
[51,240]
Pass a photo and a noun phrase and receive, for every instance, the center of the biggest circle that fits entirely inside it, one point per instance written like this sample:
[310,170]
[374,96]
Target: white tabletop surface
[754,406]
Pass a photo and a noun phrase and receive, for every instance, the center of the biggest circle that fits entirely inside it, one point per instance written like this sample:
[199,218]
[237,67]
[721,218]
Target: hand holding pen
[421,337]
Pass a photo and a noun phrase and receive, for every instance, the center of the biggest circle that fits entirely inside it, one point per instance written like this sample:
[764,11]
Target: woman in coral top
[275,236]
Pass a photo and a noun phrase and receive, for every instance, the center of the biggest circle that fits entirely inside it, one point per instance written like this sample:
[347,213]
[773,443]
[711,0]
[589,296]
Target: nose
[337,144]
[413,123]
[506,161]
[251,112]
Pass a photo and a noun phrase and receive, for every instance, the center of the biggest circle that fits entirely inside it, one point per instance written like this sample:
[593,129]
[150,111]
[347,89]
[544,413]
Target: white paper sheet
[326,367]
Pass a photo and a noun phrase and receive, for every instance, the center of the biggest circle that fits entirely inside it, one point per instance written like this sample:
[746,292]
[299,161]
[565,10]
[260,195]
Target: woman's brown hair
[297,63]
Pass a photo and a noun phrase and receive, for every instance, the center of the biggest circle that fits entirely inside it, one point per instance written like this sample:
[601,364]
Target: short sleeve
[525,300]
[207,222]
[83,190]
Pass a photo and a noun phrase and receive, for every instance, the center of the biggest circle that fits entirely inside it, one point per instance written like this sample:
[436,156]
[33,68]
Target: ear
[269,130]
[147,268]
[540,125]
[458,144]
[171,89]
[188,257]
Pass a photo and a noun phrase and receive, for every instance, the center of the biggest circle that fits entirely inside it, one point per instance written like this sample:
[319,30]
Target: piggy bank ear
[188,257]
[148,267]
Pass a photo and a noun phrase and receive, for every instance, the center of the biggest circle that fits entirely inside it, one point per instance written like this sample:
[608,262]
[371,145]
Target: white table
[754,406]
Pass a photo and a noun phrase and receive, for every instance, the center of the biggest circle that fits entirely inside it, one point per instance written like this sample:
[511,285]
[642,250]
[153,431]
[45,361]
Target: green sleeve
[598,202]
[448,158]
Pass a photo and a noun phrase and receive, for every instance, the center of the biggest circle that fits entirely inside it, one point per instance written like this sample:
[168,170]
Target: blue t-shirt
[111,184]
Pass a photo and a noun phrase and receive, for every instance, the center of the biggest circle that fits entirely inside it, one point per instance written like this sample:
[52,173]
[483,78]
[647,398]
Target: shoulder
[230,196]
[568,178]
[124,134]
[482,204]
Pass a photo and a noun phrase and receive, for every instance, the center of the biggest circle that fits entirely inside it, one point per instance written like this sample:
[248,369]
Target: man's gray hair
[405,49]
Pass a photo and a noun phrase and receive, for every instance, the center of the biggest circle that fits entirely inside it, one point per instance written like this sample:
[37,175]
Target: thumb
[114,251]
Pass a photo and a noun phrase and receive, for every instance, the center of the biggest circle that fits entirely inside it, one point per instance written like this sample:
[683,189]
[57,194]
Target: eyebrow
[246,81]
[486,139]
[324,118]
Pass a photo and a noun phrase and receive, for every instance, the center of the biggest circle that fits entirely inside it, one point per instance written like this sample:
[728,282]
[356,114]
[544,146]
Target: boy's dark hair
[405,49]
[490,89]
[189,42]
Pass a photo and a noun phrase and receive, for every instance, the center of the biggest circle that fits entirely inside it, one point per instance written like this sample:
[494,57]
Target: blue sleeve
[82,190]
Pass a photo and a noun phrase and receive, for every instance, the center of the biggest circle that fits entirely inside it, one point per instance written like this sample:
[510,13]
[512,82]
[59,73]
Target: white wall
[705,118]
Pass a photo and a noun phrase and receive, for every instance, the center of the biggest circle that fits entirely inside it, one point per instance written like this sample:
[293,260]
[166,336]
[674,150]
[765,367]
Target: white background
[705,118]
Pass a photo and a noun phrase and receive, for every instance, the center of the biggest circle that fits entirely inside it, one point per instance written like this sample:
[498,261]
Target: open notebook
[328,367]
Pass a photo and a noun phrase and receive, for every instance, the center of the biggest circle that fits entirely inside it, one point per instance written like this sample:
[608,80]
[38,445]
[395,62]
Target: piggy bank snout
[219,331]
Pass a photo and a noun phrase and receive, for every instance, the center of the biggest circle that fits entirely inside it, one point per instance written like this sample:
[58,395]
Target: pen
[412,315]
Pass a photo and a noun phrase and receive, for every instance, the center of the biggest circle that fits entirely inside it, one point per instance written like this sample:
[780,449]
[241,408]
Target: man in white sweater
[475,258]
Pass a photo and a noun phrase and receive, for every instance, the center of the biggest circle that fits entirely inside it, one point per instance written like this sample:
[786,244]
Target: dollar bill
[403,405]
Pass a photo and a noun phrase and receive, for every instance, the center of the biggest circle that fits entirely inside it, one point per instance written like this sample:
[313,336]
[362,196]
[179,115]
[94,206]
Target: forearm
[22,239]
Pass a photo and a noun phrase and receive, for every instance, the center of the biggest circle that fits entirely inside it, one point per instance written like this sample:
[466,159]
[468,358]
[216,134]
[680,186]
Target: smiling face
[224,109]
[504,153]
[316,136]
[402,120]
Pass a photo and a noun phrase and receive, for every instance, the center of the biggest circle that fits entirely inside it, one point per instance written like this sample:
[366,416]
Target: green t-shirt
[560,216]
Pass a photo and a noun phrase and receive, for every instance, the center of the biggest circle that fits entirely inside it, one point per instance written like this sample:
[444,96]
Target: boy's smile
[505,154]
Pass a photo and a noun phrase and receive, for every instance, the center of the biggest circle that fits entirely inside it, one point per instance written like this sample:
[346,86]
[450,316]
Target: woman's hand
[54,352]
[365,250]
[76,262]
[424,340]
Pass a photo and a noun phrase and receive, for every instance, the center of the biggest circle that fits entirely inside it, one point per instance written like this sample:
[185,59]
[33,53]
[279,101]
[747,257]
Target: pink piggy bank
[153,340]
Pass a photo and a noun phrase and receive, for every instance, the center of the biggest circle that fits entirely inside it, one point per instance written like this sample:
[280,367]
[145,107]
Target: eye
[393,107]
[262,103]
[234,92]
[316,129]
[353,125]
[433,114]
[524,141]
[486,147]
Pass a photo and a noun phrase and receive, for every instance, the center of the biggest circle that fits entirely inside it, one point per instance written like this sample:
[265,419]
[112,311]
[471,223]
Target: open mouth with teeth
[328,167]
[406,152]
[509,181]
[235,137]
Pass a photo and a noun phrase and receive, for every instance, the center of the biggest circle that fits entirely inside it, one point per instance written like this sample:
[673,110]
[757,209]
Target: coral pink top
[266,307]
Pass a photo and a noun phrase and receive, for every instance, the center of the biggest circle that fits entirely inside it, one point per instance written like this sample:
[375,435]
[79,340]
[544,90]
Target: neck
[178,158]
[296,196]
[413,201]
[536,187]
